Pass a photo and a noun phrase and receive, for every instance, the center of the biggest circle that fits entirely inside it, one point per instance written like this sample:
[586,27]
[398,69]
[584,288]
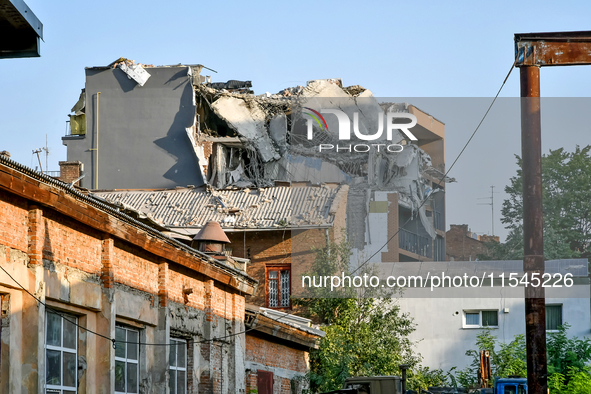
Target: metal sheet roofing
[265,208]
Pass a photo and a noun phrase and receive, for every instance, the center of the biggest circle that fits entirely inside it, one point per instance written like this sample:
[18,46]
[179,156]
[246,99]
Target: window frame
[480,320]
[277,268]
[561,316]
[176,368]
[127,360]
[62,349]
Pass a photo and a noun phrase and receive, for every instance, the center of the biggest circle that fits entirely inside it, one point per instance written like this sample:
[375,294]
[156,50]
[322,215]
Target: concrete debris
[133,70]
[258,140]
[248,119]
[80,107]
[233,86]
[278,132]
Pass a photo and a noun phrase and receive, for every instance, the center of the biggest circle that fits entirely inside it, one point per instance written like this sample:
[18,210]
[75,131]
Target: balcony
[415,243]
[438,221]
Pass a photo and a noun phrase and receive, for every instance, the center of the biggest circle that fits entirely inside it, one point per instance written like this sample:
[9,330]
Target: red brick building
[277,228]
[464,245]
[277,349]
[96,301]
[100,275]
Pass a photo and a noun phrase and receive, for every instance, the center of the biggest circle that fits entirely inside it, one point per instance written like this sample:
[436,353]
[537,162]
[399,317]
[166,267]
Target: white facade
[447,326]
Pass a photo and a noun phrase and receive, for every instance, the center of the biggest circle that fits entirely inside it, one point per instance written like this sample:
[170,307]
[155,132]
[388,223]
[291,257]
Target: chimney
[211,239]
[70,171]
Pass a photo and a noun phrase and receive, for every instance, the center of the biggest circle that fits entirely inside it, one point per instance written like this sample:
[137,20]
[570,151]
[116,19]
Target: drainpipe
[97,142]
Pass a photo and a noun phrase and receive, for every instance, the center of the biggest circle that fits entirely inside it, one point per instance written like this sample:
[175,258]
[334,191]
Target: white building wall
[443,338]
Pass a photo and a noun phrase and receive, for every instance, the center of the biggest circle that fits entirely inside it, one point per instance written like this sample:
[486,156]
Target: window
[479,319]
[61,353]
[278,287]
[178,366]
[126,360]
[553,317]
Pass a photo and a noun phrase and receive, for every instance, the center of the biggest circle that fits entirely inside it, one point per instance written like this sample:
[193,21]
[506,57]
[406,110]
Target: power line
[113,340]
[447,172]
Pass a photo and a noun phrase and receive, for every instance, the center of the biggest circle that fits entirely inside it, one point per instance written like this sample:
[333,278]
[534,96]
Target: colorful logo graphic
[316,118]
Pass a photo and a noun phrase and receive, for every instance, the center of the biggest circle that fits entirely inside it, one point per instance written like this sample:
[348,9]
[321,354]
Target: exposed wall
[142,135]
[460,246]
[287,364]
[293,249]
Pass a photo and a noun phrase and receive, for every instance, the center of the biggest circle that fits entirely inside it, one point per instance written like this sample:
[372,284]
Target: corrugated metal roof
[264,208]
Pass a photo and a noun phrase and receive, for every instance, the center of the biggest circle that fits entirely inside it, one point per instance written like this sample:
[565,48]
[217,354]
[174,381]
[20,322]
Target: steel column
[533,262]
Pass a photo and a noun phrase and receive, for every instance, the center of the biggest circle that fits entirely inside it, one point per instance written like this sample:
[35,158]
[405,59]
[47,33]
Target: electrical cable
[113,340]
[447,172]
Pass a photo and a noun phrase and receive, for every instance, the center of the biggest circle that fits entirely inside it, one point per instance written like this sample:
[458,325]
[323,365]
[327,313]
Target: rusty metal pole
[533,262]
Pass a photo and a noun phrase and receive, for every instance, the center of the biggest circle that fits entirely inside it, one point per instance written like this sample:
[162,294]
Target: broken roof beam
[553,49]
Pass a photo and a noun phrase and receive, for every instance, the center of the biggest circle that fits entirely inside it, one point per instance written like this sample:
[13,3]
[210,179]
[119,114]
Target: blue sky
[396,49]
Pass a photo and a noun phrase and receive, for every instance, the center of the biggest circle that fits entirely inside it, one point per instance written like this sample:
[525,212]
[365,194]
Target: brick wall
[461,247]
[265,248]
[273,354]
[135,270]
[70,171]
[67,242]
[14,219]
[179,282]
[283,361]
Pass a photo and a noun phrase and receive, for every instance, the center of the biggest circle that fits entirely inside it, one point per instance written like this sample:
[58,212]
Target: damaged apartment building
[170,146]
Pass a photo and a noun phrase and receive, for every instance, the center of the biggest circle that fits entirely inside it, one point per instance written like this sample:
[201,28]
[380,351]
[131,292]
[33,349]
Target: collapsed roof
[245,140]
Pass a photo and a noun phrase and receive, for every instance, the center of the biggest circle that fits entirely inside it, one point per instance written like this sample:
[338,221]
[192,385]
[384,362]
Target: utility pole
[46,149]
[492,207]
[533,51]
[36,152]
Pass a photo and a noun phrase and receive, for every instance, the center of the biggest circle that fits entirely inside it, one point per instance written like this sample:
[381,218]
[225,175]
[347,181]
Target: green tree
[566,353]
[366,334]
[574,382]
[567,360]
[566,180]
[506,359]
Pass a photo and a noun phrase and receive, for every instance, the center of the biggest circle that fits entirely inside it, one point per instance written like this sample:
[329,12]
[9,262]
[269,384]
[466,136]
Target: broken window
[61,353]
[177,369]
[126,360]
[278,287]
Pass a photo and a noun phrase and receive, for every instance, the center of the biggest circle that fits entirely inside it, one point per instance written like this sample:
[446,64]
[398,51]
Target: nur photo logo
[387,123]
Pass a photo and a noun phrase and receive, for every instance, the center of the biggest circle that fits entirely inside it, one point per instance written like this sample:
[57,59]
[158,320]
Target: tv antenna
[492,207]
